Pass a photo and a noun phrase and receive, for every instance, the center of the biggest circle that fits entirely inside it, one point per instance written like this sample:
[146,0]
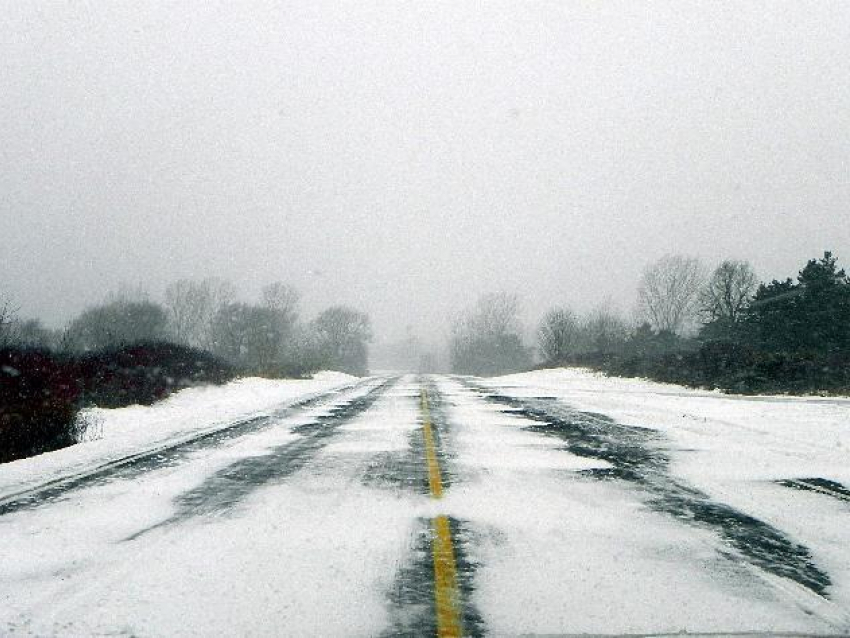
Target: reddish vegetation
[40,393]
[38,400]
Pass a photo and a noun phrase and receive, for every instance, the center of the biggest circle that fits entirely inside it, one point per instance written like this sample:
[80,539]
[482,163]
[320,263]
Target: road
[411,505]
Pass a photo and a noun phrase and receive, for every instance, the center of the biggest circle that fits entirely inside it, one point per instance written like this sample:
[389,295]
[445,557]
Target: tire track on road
[432,594]
[163,455]
[819,485]
[635,456]
[227,487]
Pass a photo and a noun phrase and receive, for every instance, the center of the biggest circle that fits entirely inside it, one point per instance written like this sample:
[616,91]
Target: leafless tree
[247,336]
[117,323]
[497,313]
[186,302]
[8,322]
[488,338]
[669,291]
[64,340]
[128,293]
[32,334]
[559,335]
[282,299]
[192,306]
[343,335]
[604,330]
[302,352]
[728,291]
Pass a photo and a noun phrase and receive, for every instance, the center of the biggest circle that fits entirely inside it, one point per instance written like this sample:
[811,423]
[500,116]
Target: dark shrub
[38,403]
[145,373]
[40,394]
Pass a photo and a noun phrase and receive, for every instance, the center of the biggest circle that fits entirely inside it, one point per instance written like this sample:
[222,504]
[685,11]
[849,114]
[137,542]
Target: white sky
[404,157]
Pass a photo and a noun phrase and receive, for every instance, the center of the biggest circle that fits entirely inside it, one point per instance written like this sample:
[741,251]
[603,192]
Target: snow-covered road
[553,502]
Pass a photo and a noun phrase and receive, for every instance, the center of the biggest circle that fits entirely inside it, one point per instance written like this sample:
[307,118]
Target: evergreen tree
[810,316]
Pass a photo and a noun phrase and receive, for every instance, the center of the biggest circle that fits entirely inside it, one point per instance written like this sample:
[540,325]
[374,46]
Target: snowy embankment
[271,533]
[735,436]
[193,411]
[736,449]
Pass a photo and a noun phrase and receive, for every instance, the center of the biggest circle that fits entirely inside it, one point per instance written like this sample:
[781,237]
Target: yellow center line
[434,480]
[446,593]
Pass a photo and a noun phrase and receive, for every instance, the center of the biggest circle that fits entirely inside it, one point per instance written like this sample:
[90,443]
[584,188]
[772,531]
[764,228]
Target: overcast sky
[404,157]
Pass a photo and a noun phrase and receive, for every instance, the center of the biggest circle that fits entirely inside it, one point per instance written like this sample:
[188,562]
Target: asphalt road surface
[410,505]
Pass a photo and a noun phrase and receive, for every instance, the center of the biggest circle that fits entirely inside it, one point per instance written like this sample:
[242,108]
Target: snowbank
[753,437]
[133,429]
[734,448]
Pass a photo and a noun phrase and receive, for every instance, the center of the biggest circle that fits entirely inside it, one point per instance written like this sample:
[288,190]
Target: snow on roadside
[311,555]
[734,448]
[560,554]
[747,437]
[135,428]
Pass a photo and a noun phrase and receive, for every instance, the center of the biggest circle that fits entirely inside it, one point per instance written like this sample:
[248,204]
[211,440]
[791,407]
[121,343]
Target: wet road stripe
[446,592]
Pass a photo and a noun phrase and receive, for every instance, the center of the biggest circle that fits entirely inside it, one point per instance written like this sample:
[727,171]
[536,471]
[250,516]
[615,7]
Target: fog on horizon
[405,157]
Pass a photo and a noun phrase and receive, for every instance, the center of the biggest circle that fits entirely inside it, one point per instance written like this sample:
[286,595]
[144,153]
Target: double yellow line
[446,592]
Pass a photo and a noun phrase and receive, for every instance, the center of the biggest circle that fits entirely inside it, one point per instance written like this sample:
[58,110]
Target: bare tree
[282,299]
[497,313]
[8,314]
[303,351]
[605,331]
[247,336]
[192,307]
[669,291]
[343,335]
[559,335]
[128,293]
[187,304]
[117,323]
[32,334]
[728,291]
[488,338]
[64,341]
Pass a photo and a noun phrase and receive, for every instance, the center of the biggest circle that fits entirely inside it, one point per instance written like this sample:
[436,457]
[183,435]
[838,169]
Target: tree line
[711,328]
[266,337]
[131,349]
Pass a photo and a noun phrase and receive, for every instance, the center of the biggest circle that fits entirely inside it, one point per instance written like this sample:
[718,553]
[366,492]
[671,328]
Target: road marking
[446,593]
[445,579]
[434,480]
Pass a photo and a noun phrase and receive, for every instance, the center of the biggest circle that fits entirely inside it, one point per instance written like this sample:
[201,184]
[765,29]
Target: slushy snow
[318,552]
